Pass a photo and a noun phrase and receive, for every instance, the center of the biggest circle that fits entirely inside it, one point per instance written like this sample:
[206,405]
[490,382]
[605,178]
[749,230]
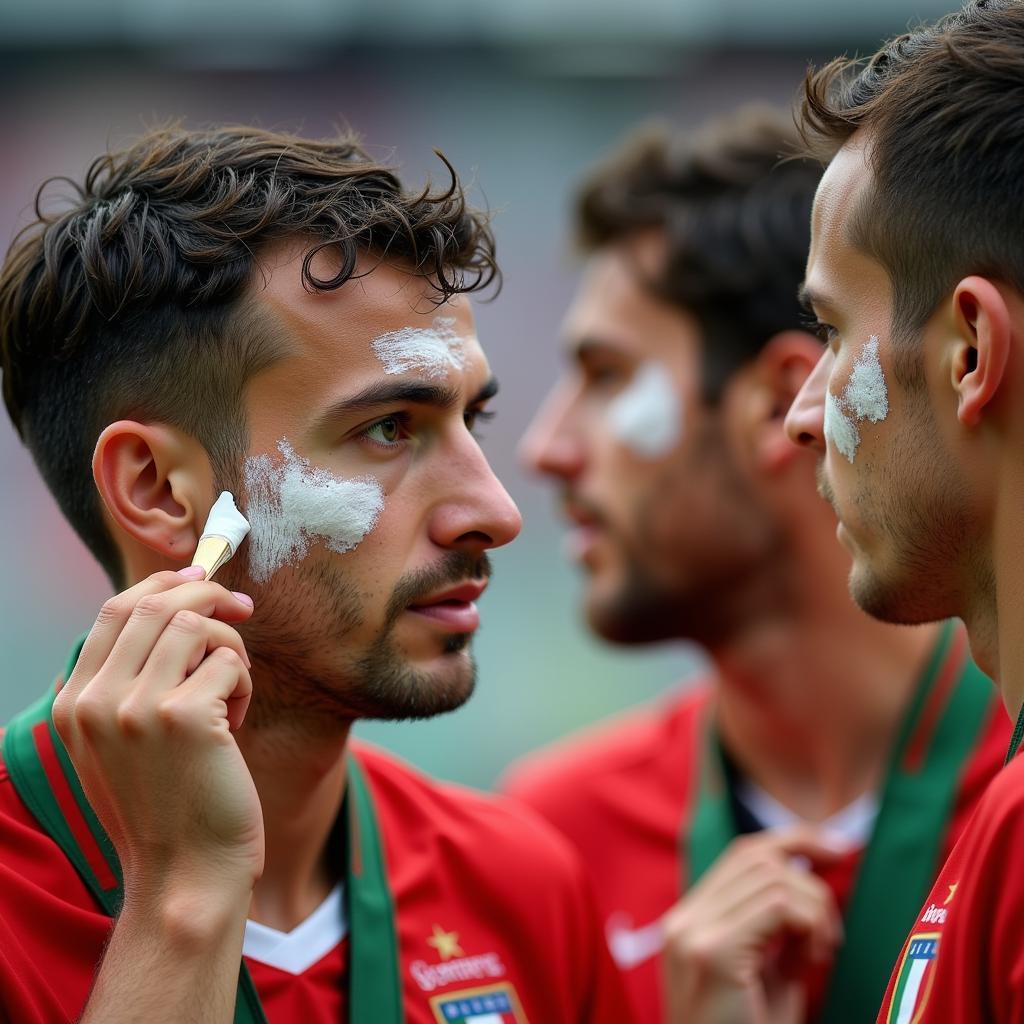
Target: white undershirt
[850,828]
[306,944]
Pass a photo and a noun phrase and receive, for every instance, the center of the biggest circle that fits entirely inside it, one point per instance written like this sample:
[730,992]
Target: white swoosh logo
[630,946]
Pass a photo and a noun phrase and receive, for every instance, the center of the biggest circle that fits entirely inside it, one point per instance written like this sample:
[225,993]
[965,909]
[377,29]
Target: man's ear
[157,485]
[779,371]
[982,349]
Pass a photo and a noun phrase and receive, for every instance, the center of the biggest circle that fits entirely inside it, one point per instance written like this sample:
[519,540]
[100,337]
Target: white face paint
[292,504]
[647,416]
[433,351]
[865,397]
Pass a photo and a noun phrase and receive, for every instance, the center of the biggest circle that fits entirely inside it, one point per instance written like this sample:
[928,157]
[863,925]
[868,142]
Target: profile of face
[372,505]
[878,409]
[663,519]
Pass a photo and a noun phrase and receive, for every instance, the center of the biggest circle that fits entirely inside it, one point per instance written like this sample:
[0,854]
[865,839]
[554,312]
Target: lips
[587,528]
[453,609]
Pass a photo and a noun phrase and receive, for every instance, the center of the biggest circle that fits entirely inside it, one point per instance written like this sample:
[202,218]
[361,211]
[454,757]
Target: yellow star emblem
[952,893]
[446,943]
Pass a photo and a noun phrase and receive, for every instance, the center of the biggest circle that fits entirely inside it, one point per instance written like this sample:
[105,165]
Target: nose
[475,513]
[550,447]
[805,421]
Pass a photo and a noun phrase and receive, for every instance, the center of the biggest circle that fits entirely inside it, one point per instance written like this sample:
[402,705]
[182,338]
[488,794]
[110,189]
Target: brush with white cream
[225,529]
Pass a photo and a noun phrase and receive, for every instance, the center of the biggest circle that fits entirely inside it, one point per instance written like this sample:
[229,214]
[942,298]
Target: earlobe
[982,352]
[153,481]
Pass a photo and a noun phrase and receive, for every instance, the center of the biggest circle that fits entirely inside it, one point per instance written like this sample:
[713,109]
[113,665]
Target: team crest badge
[914,981]
[491,1004]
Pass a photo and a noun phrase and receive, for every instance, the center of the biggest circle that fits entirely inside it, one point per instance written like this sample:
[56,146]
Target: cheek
[647,417]
[840,431]
[863,398]
[293,505]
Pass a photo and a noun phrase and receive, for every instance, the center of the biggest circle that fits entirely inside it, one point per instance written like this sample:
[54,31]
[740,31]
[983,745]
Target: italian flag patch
[492,1004]
[914,981]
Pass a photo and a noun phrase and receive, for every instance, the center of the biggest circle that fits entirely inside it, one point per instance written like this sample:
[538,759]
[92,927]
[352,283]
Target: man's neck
[300,776]
[809,707]
[997,602]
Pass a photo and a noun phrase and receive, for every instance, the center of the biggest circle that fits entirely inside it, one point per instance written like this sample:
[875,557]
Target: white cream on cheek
[292,504]
[647,416]
[865,397]
[433,351]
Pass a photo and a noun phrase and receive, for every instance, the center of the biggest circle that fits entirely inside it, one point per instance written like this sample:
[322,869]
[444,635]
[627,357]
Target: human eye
[474,417]
[388,432]
[824,332]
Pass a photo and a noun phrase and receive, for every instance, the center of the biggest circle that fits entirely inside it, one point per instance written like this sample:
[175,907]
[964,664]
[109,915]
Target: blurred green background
[523,96]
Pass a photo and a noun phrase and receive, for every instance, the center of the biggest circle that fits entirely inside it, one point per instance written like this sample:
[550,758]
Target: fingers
[150,637]
[753,896]
[153,614]
[222,683]
[182,645]
[112,619]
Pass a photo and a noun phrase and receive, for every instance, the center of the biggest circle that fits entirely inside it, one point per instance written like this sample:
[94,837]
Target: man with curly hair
[246,311]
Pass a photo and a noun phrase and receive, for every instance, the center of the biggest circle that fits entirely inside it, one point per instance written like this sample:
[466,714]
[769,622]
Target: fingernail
[244,598]
[192,572]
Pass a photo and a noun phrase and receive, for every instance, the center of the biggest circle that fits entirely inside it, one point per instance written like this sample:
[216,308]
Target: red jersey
[630,797]
[493,919]
[964,959]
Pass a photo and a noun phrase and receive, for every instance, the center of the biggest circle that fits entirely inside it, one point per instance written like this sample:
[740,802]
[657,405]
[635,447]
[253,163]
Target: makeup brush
[224,531]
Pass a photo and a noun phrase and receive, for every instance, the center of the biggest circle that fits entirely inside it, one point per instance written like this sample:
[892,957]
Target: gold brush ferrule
[211,554]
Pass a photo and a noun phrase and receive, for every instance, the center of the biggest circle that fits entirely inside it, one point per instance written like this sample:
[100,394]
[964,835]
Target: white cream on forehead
[865,397]
[433,351]
[647,416]
[292,504]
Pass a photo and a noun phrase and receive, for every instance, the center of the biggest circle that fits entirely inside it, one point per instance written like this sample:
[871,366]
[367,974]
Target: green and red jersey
[651,800]
[455,907]
[964,959]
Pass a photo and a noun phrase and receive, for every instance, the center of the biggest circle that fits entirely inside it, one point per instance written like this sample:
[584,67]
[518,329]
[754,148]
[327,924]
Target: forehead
[328,335]
[839,273]
[842,187]
[614,305]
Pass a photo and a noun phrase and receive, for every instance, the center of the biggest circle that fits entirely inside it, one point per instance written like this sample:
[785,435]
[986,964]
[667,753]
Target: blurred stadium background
[523,96]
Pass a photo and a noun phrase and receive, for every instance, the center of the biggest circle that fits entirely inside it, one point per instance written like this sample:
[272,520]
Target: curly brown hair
[940,110]
[736,218]
[130,299]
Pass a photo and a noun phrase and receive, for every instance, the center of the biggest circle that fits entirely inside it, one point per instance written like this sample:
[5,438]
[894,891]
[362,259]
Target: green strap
[899,864]
[1018,734]
[375,987]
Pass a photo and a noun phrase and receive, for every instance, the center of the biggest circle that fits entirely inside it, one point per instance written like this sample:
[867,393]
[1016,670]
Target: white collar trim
[306,944]
[850,827]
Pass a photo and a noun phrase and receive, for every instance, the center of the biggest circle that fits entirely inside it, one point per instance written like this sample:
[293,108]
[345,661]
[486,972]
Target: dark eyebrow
[589,347]
[486,393]
[415,392]
[811,300]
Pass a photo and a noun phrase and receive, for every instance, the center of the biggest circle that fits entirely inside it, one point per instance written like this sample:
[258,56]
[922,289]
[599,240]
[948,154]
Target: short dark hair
[130,299]
[736,218]
[942,109]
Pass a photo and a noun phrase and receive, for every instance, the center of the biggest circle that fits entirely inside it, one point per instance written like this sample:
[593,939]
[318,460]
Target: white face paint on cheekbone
[647,416]
[865,397]
[434,350]
[292,504]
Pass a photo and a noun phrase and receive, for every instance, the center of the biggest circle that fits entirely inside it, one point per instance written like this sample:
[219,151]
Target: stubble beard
[914,505]
[712,597]
[300,626]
